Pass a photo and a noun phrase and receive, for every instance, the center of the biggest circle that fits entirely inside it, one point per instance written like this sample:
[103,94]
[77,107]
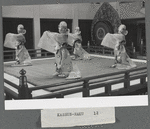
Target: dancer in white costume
[17,41]
[62,56]
[117,42]
[56,43]
[79,52]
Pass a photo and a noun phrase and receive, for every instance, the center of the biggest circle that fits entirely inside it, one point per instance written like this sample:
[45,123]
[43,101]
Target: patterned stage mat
[41,72]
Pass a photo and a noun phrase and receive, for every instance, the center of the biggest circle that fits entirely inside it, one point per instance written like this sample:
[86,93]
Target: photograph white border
[118,101]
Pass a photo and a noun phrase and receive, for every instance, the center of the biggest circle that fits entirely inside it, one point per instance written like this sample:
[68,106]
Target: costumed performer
[17,41]
[79,52]
[56,43]
[117,42]
[62,55]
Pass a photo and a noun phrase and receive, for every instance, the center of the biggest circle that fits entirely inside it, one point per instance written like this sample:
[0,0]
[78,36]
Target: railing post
[86,92]
[108,89]
[88,45]
[103,50]
[14,55]
[141,47]
[7,97]
[60,96]
[24,92]
[111,53]
[127,80]
[143,80]
[38,53]
[134,52]
[132,45]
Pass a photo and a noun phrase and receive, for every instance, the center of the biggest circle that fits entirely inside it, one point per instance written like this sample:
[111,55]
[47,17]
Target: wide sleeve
[48,41]
[10,40]
[110,40]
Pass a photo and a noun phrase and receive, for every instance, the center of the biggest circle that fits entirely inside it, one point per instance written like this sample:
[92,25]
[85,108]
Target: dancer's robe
[78,52]
[50,41]
[113,41]
[17,41]
[63,61]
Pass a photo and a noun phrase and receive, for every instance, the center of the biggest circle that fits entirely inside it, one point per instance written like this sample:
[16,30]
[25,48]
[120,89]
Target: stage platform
[41,71]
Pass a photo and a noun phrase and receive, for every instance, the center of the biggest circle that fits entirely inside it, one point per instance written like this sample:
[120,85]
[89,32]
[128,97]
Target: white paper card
[77,117]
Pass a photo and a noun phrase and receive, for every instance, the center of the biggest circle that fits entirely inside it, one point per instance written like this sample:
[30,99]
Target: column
[75,16]
[36,26]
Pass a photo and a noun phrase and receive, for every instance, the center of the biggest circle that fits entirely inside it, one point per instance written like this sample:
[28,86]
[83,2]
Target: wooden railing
[39,53]
[9,55]
[34,53]
[144,51]
[100,50]
[83,86]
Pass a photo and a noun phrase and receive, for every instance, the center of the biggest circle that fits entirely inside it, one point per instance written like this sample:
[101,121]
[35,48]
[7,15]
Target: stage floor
[41,72]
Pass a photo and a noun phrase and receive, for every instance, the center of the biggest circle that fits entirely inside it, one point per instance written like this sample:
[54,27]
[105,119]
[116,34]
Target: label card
[77,117]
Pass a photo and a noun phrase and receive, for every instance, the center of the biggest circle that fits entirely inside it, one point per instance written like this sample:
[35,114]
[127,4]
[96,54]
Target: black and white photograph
[74,50]
[75,55]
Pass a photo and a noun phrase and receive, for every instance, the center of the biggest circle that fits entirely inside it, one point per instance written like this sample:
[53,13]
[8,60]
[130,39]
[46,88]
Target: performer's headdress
[68,30]
[77,30]
[122,29]
[21,29]
[63,24]
[62,27]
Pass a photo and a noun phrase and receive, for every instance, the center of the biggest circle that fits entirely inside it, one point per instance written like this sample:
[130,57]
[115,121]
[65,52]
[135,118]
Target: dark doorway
[136,32]
[85,27]
[10,26]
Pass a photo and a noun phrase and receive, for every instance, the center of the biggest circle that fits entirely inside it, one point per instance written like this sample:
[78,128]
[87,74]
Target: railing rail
[87,84]
[9,55]
[11,83]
